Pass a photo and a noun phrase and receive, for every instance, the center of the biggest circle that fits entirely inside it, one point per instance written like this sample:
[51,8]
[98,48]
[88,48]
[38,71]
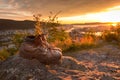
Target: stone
[18,68]
[106,77]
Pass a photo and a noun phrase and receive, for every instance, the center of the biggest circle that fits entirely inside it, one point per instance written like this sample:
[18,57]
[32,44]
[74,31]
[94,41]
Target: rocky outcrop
[18,68]
[83,65]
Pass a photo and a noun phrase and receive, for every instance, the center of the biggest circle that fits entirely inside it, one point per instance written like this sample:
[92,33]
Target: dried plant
[38,29]
[50,23]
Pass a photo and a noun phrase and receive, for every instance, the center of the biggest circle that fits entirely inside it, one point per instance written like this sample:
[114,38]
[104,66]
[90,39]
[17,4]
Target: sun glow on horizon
[114,24]
[110,15]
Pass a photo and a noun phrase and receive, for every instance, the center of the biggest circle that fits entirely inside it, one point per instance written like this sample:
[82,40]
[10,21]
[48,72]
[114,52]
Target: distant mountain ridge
[7,24]
[94,23]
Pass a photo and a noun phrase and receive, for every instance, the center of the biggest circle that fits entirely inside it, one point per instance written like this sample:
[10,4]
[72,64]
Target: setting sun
[110,15]
[114,24]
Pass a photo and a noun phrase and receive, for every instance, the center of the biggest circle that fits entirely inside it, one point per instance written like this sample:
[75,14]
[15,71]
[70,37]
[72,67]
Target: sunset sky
[72,11]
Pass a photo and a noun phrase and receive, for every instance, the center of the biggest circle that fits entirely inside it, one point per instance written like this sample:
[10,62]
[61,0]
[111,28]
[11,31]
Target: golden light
[110,15]
[114,24]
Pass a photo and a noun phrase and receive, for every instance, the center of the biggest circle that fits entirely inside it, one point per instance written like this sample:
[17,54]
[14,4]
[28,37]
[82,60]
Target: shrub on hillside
[17,38]
[4,54]
[55,35]
[85,42]
[112,35]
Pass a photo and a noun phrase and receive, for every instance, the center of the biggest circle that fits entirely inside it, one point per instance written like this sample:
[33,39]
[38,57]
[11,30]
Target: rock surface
[18,68]
[94,64]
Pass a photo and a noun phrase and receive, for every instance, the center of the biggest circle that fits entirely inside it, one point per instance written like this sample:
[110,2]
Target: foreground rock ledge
[18,68]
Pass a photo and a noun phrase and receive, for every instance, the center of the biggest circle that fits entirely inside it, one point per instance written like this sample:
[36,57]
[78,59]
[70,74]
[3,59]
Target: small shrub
[109,36]
[112,35]
[64,44]
[59,35]
[85,42]
[56,36]
[17,39]
[4,54]
[73,47]
[38,27]
[12,51]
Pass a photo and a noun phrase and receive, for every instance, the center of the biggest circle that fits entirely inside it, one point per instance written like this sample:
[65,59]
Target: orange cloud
[68,7]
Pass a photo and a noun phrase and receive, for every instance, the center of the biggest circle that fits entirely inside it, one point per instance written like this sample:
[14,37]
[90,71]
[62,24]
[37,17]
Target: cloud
[68,7]
[11,11]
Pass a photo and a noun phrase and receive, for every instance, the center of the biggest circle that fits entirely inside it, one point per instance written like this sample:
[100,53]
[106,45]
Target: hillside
[6,24]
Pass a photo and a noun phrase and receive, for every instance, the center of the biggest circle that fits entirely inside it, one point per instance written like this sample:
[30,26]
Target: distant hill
[94,23]
[6,24]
